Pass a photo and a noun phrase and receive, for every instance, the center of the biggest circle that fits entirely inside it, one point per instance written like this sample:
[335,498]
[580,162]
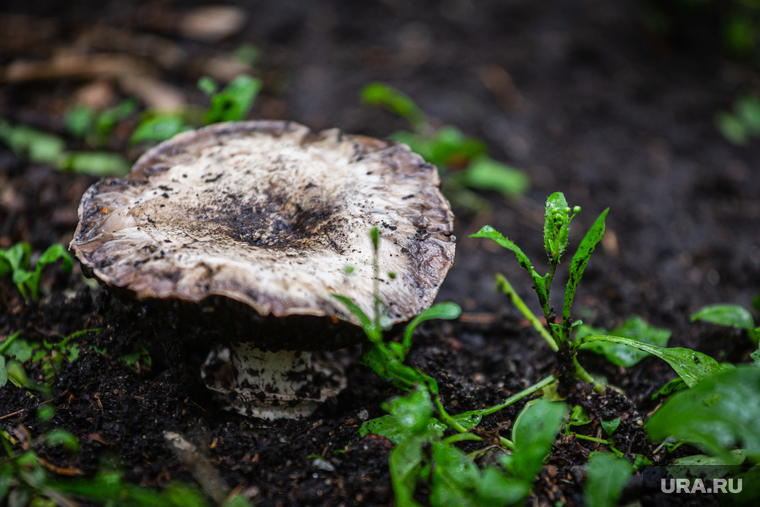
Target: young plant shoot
[417,423]
[691,366]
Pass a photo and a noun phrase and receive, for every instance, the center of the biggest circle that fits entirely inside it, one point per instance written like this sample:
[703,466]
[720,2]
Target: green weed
[690,365]
[15,261]
[425,434]
[462,161]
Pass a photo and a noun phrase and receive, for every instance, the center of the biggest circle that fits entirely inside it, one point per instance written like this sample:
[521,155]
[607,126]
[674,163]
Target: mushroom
[241,232]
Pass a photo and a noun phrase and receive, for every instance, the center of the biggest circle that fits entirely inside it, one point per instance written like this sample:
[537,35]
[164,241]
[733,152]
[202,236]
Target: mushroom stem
[272,385]
[282,372]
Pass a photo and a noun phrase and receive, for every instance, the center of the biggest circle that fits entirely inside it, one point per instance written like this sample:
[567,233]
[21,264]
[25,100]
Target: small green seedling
[744,123]
[233,103]
[15,262]
[417,423]
[690,365]
[95,128]
[462,160]
[43,148]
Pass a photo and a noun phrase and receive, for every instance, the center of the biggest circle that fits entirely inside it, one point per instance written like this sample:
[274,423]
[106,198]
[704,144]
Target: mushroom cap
[270,215]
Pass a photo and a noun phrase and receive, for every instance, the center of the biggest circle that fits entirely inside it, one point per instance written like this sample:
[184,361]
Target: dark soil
[600,109]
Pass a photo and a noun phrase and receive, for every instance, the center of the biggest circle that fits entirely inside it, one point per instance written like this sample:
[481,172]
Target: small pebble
[363,415]
[321,464]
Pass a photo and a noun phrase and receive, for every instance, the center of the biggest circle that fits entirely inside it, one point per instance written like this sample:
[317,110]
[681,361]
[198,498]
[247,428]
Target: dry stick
[17,412]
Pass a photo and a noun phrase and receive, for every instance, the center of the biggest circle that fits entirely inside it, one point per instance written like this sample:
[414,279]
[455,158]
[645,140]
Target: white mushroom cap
[270,214]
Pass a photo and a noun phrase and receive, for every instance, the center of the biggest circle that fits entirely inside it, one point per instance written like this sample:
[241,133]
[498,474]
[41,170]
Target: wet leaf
[606,477]
[556,225]
[717,414]
[727,315]
[484,173]
[580,260]
[457,481]
[691,366]
[411,412]
[533,433]
[387,426]
[405,463]
[634,328]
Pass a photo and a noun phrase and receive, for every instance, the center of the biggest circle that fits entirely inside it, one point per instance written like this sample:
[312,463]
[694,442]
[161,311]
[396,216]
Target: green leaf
[484,173]
[413,411]
[387,426]
[208,86]
[610,426]
[538,282]
[756,303]
[3,372]
[108,119]
[94,163]
[405,463]
[533,433]
[555,225]
[580,260]
[607,476]
[457,482]
[45,413]
[79,120]
[369,327]
[671,387]
[717,414]
[748,112]
[142,355]
[726,315]
[380,94]
[578,417]
[234,102]
[634,328]
[731,128]
[37,146]
[693,466]
[446,311]
[159,128]
[49,256]
[450,147]
[690,365]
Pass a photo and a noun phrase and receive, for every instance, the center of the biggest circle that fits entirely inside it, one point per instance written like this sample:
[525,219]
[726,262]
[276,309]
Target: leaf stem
[507,289]
[7,343]
[592,439]
[517,397]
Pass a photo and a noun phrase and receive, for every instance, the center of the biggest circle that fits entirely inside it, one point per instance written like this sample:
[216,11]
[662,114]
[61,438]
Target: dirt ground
[593,105]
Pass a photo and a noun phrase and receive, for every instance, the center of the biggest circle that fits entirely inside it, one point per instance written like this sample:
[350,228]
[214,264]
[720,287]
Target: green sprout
[449,149]
[15,261]
[425,434]
[690,365]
